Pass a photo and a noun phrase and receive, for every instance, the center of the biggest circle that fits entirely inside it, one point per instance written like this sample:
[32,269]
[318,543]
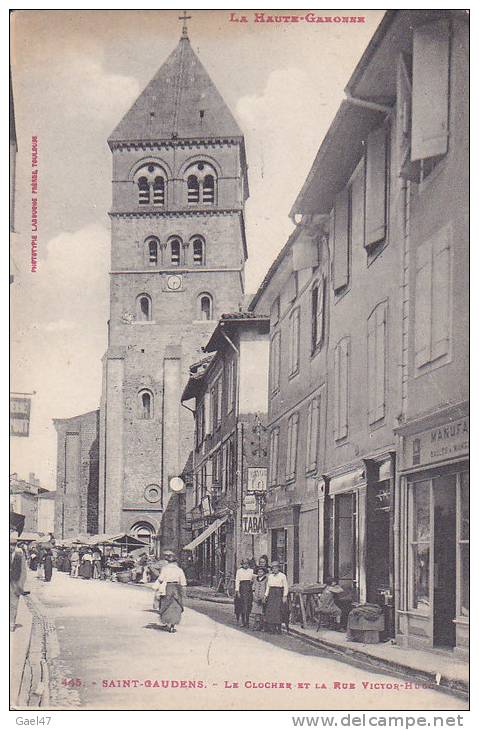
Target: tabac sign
[19,416]
[253,524]
[448,441]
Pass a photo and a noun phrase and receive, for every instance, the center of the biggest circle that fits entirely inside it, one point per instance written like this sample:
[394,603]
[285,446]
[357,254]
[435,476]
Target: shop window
[376,346]
[341,389]
[175,252]
[145,405]
[198,252]
[312,438]
[294,342]
[292,446]
[419,545]
[143,308]
[463,546]
[317,314]
[205,306]
[275,365]
[279,548]
[432,300]
[273,456]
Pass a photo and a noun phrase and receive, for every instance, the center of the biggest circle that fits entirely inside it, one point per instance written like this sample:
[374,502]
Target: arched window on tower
[198,251]
[193,189]
[209,189]
[143,531]
[151,181]
[143,191]
[175,250]
[205,306]
[201,183]
[159,191]
[143,308]
[145,405]
[152,247]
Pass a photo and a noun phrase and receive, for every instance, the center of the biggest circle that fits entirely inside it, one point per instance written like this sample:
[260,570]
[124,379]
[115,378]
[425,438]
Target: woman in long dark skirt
[172,580]
[276,596]
[244,590]
[48,565]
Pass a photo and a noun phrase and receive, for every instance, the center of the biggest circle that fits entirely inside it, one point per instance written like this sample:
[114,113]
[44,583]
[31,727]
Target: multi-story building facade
[230,392]
[377,266]
[34,503]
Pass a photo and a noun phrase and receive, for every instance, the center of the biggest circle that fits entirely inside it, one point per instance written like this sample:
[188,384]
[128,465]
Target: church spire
[184,18]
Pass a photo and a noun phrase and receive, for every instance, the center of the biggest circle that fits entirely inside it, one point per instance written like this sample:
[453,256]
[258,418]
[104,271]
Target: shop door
[444,495]
[279,548]
[379,554]
[346,531]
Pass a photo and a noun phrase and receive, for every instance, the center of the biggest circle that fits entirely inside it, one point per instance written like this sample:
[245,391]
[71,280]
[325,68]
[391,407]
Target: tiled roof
[181,101]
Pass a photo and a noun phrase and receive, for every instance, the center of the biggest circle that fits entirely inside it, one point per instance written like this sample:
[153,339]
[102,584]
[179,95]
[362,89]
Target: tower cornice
[162,144]
[180,213]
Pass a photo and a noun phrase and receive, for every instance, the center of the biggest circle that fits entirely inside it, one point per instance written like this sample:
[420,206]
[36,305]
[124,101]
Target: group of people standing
[261,592]
[41,561]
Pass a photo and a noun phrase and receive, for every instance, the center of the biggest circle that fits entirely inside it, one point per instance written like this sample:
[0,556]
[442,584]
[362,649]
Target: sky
[75,74]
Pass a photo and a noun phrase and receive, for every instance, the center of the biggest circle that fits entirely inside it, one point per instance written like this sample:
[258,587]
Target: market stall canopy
[32,537]
[123,539]
[17,521]
[206,533]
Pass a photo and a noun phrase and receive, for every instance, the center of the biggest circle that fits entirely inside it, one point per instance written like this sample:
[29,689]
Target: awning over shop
[206,533]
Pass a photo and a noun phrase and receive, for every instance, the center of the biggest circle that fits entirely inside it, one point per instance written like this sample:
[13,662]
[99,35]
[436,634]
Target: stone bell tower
[178,251]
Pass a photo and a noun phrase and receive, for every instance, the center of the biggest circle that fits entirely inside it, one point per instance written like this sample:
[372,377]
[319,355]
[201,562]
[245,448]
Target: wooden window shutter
[430,90]
[407,169]
[423,300]
[372,367]
[220,401]
[207,414]
[441,287]
[376,182]
[341,240]
[341,389]
[320,311]
[380,390]
[294,443]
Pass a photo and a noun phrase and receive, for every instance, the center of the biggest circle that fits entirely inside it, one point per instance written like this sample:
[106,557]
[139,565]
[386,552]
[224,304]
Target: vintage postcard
[239,407]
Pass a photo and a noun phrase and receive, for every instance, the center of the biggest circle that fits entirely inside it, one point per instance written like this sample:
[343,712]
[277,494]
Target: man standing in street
[18,574]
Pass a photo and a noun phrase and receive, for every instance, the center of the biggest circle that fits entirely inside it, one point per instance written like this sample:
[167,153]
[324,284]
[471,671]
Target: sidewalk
[19,645]
[427,667]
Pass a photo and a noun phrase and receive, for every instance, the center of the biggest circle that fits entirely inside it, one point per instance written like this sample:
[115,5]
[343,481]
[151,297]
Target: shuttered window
[292,446]
[312,438]
[341,240]
[432,298]
[273,456]
[430,91]
[231,385]
[376,186]
[294,342]
[377,363]
[341,389]
[317,314]
[275,361]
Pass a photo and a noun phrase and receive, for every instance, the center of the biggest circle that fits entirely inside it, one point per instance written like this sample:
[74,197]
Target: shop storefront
[209,549]
[283,530]
[434,555]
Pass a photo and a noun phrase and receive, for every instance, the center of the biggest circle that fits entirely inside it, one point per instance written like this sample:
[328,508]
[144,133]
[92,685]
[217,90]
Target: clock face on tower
[174,282]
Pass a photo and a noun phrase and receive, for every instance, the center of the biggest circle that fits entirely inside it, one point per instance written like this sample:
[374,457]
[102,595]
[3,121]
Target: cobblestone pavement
[105,651]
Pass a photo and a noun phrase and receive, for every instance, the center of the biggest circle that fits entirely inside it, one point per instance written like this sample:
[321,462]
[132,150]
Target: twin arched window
[151,182]
[201,180]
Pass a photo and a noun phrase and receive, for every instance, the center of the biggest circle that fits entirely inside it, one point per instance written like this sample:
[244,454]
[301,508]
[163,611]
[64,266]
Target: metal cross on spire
[184,18]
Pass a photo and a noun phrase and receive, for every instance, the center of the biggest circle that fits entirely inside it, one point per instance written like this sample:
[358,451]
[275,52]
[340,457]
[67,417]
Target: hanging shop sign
[449,441]
[206,506]
[250,503]
[19,416]
[253,524]
[257,479]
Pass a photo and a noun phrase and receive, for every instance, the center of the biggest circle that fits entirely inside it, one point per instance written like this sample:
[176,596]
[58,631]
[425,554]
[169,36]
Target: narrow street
[111,655]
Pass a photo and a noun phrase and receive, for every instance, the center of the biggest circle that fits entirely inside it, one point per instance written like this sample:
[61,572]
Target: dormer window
[201,180]
[151,182]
